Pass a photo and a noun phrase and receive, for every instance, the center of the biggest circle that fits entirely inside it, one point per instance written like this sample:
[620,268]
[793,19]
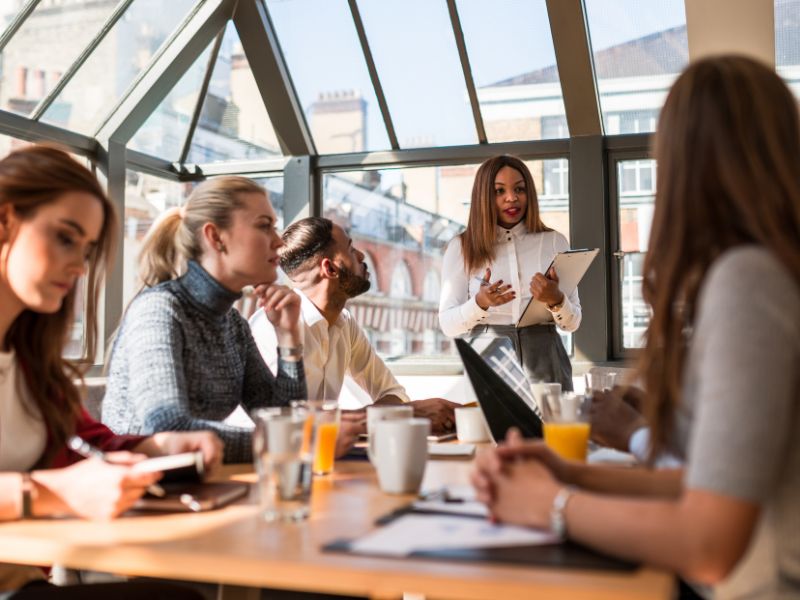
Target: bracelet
[558,520]
[26,496]
[296,352]
[556,307]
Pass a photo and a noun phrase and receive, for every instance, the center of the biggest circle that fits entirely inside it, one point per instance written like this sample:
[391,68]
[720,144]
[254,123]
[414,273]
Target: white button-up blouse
[519,255]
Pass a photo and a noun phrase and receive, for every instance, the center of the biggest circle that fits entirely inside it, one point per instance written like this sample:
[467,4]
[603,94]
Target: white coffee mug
[470,424]
[401,451]
[383,413]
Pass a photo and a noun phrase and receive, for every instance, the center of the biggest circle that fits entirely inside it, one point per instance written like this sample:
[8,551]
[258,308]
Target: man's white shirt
[331,354]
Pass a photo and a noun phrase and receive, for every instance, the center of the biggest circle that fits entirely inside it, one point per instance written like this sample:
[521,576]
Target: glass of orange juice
[566,424]
[325,430]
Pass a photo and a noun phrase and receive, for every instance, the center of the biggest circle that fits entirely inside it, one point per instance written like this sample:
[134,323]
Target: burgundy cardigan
[98,435]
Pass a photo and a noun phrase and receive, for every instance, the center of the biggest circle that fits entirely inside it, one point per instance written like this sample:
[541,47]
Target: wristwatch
[295,352]
[558,520]
[26,497]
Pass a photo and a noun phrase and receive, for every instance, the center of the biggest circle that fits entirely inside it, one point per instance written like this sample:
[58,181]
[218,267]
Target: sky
[416,57]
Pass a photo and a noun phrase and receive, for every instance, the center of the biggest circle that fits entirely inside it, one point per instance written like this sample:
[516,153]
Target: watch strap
[293,352]
[558,520]
[26,496]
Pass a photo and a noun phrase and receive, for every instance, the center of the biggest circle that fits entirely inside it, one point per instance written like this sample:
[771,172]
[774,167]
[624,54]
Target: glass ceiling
[639,48]
[71,62]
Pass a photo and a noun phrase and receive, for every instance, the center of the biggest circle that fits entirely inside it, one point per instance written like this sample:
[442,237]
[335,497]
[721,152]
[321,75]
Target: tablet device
[185,467]
[500,386]
[194,497]
[570,267]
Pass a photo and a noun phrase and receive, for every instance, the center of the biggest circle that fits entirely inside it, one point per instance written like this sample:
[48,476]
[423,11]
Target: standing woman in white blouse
[493,268]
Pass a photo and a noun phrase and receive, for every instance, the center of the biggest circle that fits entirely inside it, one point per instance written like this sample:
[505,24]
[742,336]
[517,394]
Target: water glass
[599,382]
[567,424]
[283,463]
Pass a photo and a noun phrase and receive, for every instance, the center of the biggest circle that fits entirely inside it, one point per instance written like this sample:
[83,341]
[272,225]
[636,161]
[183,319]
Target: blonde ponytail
[175,237]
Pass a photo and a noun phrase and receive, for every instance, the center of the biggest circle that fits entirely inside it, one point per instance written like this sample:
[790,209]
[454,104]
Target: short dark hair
[304,240]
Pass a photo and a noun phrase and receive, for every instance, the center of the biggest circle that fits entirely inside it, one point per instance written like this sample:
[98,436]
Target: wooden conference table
[234,547]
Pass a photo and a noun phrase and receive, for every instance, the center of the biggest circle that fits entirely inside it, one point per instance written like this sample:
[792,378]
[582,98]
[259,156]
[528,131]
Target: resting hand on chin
[282,307]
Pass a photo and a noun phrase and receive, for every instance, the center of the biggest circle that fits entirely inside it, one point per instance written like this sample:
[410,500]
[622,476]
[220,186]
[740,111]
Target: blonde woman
[183,357]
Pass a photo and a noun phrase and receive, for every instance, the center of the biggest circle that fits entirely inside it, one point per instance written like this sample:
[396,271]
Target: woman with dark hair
[57,226]
[184,358]
[493,268]
[722,276]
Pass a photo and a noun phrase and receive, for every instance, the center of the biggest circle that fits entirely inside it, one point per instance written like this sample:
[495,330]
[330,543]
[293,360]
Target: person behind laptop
[327,270]
[722,275]
[497,264]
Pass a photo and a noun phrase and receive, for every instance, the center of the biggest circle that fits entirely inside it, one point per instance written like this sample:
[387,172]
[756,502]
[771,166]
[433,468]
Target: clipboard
[570,267]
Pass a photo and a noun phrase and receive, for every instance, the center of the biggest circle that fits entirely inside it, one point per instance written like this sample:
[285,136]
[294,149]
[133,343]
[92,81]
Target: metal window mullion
[201,98]
[45,102]
[18,21]
[458,32]
[267,63]
[373,74]
[167,66]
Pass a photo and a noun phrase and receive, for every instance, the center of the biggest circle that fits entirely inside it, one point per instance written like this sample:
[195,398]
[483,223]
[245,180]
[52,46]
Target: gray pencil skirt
[539,349]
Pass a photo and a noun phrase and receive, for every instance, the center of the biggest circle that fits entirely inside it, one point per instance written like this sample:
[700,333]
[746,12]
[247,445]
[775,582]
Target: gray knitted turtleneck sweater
[184,359]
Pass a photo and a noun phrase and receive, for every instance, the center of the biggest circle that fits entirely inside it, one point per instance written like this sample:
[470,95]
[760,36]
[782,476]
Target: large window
[519,90]
[636,181]
[335,88]
[421,76]
[403,219]
[787,42]
[233,122]
[123,54]
[639,47]
[44,48]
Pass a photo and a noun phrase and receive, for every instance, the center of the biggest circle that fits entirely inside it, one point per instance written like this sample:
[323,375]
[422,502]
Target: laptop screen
[500,387]
[498,353]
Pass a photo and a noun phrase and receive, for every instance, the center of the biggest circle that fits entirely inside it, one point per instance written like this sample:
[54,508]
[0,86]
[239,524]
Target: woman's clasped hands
[518,481]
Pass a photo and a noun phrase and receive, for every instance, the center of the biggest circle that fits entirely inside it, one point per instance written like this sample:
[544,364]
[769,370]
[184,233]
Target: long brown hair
[478,239]
[175,238]
[728,154]
[29,178]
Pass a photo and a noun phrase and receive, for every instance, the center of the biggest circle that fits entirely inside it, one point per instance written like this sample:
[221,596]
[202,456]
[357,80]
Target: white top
[23,435]
[639,446]
[330,354]
[519,255]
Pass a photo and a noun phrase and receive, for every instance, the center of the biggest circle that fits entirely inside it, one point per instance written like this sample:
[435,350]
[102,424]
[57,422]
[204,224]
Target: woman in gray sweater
[183,357]
[722,275]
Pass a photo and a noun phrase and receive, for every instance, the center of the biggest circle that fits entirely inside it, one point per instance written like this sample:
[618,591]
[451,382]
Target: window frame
[615,157]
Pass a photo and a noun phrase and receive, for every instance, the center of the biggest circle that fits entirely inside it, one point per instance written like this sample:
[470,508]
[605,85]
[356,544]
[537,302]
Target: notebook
[570,267]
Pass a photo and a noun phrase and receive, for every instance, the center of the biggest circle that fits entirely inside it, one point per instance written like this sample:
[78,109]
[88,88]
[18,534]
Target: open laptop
[500,386]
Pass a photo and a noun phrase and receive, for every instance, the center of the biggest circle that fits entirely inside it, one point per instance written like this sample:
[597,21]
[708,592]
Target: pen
[85,449]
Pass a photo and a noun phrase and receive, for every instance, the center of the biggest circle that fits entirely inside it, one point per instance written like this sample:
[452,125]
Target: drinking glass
[599,382]
[325,418]
[567,424]
[283,463]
